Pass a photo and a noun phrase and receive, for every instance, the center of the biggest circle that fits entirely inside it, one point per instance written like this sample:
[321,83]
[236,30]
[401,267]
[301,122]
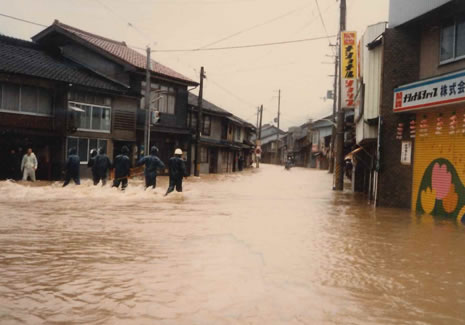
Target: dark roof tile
[123,52]
[27,58]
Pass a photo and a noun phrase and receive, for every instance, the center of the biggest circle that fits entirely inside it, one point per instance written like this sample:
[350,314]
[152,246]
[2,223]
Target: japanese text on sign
[348,68]
[406,154]
[432,92]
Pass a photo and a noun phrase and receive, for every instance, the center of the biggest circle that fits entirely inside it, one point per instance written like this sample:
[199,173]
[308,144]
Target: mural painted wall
[439,163]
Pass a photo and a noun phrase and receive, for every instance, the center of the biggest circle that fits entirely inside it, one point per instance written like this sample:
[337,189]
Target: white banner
[433,92]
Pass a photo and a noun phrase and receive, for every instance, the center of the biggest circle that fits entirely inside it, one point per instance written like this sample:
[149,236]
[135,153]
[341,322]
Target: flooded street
[261,247]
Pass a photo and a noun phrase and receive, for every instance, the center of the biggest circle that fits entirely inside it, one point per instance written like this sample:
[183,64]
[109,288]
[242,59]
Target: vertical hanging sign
[406,153]
[348,69]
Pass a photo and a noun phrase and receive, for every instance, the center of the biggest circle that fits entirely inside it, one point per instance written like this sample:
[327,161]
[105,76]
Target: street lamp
[148,107]
[149,121]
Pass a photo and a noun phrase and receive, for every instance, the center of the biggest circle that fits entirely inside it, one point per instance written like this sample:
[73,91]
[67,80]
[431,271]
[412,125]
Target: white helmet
[178,152]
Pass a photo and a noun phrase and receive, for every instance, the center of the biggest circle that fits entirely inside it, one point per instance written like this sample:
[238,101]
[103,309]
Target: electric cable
[247,45]
[23,20]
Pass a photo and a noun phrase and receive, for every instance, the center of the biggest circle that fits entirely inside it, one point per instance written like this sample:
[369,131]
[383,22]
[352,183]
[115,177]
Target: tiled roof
[193,101]
[123,52]
[27,58]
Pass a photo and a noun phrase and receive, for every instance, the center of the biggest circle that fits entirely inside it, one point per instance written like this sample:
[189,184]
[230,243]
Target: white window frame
[91,116]
[454,58]
[88,146]
[164,94]
[19,102]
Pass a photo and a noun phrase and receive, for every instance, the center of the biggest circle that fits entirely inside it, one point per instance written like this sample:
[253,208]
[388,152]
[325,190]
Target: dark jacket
[152,163]
[72,163]
[90,163]
[177,167]
[101,165]
[122,166]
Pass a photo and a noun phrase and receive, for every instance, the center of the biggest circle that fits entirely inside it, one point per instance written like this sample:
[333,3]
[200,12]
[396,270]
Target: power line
[23,20]
[230,93]
[253,27]
[321,18]
[127,21]
[247,46]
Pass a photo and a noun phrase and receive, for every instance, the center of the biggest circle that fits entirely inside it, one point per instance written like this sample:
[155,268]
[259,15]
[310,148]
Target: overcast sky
[238,80]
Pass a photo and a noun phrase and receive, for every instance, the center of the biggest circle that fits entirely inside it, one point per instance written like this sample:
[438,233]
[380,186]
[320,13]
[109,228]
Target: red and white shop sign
[433,92]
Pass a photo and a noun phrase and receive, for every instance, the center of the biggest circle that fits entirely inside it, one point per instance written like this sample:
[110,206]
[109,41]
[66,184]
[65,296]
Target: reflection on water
[266,247]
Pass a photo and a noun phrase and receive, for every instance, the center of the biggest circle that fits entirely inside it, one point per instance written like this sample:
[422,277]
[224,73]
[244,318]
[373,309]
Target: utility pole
[199,124]
[147,101]
[277,134]
[333,136]
[258,117]
[259,135]
[339,170]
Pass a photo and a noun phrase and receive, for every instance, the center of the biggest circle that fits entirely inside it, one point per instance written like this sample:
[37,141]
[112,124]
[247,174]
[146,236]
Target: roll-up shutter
[439,163]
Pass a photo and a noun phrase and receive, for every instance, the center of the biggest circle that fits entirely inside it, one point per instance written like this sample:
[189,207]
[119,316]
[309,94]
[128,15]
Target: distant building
[322,131]
[269,142]
[225,139]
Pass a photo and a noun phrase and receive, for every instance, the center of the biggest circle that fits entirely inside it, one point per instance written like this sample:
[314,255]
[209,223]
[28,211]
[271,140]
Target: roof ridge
[65,26]
[18,41]
[122,51]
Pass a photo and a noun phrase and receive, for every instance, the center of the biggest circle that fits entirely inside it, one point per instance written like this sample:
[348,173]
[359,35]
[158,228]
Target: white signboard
[406,153]
[439,91]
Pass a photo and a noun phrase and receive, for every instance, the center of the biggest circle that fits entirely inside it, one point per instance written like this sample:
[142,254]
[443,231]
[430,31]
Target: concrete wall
[429,57]
[400,66]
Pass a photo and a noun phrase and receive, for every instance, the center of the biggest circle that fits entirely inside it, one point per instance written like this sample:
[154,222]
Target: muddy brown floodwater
[266,247]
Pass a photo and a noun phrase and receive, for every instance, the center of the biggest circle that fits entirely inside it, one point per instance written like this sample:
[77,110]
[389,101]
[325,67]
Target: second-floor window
[165,98]
[452,41]
[224,129]
[192,120]
[25,99]
[95,114]
[237,134]
[206,125]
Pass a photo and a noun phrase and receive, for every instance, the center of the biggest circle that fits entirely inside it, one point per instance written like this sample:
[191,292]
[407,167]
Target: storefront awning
[351,154]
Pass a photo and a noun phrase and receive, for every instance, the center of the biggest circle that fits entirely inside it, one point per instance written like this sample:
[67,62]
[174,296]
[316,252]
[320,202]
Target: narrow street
[261,247]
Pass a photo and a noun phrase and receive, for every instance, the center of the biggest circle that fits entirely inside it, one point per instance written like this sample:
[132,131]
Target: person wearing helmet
[152,163]
[72,167]
[101,167]
[122,168]
[177,170]
[91,162]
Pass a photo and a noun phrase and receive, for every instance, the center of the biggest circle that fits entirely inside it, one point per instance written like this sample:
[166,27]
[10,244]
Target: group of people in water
[100,165]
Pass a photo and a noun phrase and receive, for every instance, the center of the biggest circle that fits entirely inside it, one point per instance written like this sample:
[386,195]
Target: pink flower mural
[441,181]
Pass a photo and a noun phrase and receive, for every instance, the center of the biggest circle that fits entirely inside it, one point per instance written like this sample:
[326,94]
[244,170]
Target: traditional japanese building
[225,139]
[125,67]
[49,103]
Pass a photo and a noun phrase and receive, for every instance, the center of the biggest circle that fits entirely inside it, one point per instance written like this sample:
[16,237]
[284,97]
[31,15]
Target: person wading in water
[152,163]
[122,168]
[177,170]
